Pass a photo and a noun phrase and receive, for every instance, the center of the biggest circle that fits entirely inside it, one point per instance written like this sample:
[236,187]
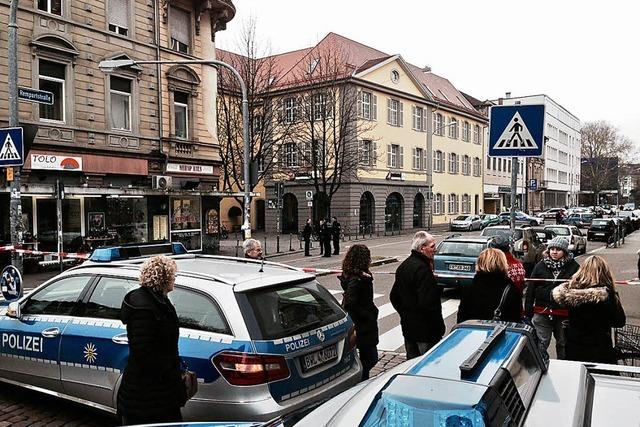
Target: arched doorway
[418,211]
[320,207]
[235,218]
[289,213]
[367,212]
[393,212]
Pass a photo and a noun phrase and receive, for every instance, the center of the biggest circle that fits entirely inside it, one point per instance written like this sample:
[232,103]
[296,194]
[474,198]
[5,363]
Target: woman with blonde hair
[594,308]
[152,389]
[490,287]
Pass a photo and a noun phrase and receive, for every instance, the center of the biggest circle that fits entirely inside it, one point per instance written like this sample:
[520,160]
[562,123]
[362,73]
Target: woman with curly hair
[357,282]
[152,390]
[594,308]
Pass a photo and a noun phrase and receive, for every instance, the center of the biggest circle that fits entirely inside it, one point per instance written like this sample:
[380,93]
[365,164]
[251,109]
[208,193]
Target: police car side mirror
[14,310]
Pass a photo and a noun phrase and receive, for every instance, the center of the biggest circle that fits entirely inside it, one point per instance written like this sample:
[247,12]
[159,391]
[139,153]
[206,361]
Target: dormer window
[313,64]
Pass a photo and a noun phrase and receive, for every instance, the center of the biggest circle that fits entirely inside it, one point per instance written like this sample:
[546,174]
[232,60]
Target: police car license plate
[319,358]
[459,267]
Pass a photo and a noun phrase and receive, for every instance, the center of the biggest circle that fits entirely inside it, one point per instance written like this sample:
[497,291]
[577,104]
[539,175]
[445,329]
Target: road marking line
[385,310]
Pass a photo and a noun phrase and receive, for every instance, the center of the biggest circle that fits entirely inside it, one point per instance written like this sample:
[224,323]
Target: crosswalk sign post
[516,131]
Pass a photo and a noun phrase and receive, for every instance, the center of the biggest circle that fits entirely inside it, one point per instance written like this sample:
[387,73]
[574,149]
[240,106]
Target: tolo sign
[56,162]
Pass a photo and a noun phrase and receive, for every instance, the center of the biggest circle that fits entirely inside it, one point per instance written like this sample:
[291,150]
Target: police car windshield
[292,309]
[468,249]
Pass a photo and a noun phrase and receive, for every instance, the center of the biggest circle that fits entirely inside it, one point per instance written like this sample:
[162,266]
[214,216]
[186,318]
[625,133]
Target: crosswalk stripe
[337,292]
[385,310]
[392,340]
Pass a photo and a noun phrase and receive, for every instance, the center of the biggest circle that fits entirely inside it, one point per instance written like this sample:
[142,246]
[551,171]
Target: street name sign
[516,130]
[11,147]
[35,95]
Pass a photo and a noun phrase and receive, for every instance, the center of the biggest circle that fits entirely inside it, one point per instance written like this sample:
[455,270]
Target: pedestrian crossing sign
[11,147]
[516,130]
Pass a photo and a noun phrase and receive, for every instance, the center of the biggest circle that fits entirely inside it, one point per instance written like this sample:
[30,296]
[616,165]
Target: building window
[438,161]
[368,106]
[120,103]
[53,7]
[438,204]
[466,165]
[494,163]
[394,112]
[488,162]
[394,156]
[453,163]
[476,134]
[438,124]
[365,152]
[290,158]
[290,110]
[118,13]
[318,106]
[180,23]
[52,79]
[181,114]
[466,204]
[418,159]
[466,131]
[419,119]
[476,166]
[453,203]
[453,128]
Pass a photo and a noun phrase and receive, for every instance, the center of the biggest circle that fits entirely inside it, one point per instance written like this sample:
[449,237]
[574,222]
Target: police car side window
[196,311]
[106,298]
[59,297]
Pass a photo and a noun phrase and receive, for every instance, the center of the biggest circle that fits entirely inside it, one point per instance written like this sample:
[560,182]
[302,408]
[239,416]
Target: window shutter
[360,103]
[118,11]
[389,110]
[400,114]
[374,153]
[424,160]
[414,157]
[414,124]
[180,25]
[401,157]
[374,107]
[280,154]
[360,151]
[389,155]
[424,120]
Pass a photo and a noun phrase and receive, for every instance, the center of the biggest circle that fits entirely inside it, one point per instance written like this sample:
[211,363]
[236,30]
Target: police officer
[320,235]
[335,233]
[306,233]
[325,232]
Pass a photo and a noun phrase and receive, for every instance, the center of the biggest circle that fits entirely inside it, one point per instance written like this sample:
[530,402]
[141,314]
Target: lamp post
[110,65]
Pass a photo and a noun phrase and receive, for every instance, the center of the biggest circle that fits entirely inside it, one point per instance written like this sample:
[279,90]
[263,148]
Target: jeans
[416,348]
[545,326]
[368,358]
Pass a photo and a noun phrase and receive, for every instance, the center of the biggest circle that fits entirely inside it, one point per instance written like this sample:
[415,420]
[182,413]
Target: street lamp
[110,65]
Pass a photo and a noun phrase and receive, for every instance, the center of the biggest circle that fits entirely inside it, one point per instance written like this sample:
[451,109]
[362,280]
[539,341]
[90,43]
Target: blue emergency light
[125,252]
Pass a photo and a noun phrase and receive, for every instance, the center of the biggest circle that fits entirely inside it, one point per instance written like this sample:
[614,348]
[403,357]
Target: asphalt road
[25,408]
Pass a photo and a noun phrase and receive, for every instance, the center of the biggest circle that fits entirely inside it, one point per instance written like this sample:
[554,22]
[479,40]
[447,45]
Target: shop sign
[186,168]
[503,189]
[56,162]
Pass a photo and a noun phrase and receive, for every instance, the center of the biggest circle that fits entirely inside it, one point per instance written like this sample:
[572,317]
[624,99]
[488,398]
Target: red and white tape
[75,255]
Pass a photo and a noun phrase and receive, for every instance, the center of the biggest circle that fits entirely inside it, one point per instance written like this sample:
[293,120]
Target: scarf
[556,266]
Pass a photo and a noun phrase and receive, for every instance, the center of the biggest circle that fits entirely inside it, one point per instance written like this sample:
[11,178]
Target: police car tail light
[351,339]
[251,369]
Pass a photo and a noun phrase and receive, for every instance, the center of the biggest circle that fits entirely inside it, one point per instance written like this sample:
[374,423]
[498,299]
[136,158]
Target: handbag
[497,314]
[190,382]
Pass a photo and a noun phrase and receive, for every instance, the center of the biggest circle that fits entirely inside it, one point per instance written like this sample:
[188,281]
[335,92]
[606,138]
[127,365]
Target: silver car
[577,240]
[263,339]
[466,222]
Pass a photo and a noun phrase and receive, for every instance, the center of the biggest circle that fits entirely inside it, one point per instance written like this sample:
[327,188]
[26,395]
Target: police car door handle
[121,339]
[50,332]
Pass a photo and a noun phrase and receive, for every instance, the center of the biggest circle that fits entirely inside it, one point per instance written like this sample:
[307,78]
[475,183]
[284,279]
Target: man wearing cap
[556,267]
[516,270]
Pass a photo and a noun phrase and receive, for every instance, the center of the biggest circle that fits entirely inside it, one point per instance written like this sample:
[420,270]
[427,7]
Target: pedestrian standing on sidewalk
[306,233]
[152,389]
[415,295]
[357,283]
[594,308]
[548,316]
[326,238]
[321,235]
[335,234]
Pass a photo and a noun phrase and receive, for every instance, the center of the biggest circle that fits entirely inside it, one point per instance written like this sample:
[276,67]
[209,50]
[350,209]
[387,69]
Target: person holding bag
[357,282]
[153,386]
[594,308]
[491,295]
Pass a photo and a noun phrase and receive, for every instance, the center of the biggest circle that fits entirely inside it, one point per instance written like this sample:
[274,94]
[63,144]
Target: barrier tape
[18,249]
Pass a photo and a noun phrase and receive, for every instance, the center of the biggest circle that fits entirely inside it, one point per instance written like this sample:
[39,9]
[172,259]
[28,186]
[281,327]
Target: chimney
[426,69]
[500,101]
[507,95]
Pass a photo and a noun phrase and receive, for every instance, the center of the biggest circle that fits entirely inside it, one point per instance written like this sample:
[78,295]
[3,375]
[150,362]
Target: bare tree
[602,147]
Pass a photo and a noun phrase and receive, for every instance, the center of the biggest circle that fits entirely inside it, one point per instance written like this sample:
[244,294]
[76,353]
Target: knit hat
[500,242]
[560,243]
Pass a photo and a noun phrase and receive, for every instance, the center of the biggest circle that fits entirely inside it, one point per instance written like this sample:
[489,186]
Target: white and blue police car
[264,339]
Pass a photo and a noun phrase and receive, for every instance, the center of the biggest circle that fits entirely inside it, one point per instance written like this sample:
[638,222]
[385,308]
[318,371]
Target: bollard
[265,245]
[300,244]
[356,236]
[290,241]
[277,243]
[370,231]
[623,234]
[349,232]
[377,231]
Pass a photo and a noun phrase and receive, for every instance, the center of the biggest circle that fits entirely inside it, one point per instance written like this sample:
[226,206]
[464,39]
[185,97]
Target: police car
[263,338]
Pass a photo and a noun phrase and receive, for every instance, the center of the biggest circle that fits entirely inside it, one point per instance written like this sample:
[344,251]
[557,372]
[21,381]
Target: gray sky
[583,54]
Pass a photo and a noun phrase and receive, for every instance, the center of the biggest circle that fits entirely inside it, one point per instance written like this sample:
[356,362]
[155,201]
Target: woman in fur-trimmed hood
[594,308]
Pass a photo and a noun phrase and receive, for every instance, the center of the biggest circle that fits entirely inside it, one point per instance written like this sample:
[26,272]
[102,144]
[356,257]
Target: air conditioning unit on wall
[161,182]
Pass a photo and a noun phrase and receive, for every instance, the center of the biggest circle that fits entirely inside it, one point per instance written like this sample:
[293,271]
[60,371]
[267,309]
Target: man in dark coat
[306,233]
[335,234]
[325,231]
[559,217]
[416,297]
[321,235]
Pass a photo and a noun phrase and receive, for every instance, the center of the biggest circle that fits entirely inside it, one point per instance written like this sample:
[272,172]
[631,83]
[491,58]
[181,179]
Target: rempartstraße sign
[186,168]
[56,162]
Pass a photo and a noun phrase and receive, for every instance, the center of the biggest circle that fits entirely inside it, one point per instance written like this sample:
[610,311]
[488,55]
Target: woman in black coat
[594,308]
[480,299]
[152,390]
[357,283]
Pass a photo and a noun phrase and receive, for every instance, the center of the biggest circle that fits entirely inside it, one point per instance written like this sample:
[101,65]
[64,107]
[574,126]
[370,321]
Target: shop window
[52,79]
[185,222]
[127,219]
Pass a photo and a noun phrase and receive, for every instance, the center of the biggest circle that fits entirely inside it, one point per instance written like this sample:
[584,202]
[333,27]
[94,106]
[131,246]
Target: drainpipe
[159,84]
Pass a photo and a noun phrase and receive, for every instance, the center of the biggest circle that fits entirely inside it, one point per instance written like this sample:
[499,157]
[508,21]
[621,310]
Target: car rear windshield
[502,232]
[600,222]
[461,217]
[293,309]
[560,231]
[470,249]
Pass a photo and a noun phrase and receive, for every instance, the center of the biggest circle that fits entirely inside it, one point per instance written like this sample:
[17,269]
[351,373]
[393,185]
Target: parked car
[550,214]
[489,220]
[577,240]
[629,206]
[579,219]
[543,234]
[521,219]
[601,229]
[487,373]
[454,262]
[466,222]
[264,339]
[527,247]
